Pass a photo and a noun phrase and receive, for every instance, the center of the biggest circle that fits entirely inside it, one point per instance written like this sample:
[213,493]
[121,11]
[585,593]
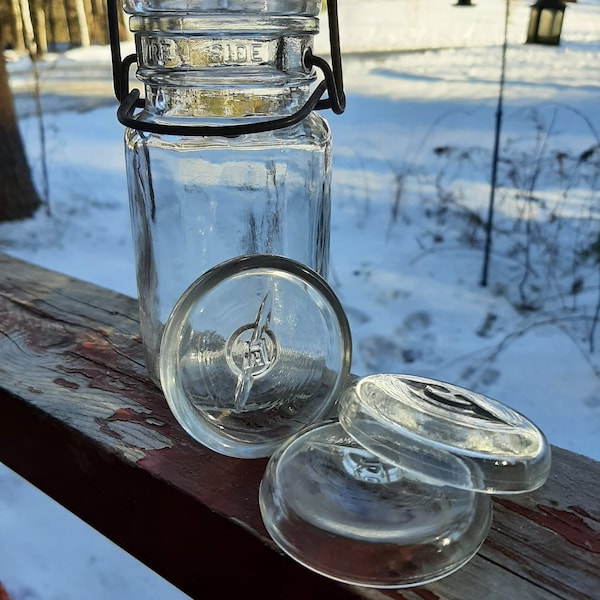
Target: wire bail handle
[130,99]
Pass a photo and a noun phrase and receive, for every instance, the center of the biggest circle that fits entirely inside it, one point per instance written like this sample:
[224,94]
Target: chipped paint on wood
[582,531]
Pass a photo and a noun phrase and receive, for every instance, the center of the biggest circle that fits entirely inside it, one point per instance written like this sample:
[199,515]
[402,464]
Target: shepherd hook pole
[490,217]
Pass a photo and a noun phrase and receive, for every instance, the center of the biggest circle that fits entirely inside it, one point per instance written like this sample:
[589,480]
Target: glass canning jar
[197,200]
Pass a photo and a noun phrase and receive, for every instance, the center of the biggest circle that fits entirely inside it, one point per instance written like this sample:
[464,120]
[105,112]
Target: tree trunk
[39,27]
[57,24]
[100,10]
[100,21]
[83,25]
[17,25]
[78,29]
[28,34]
[89,19]
[18,197]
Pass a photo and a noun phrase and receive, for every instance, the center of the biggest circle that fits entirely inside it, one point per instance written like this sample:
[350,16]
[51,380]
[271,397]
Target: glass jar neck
[219,66]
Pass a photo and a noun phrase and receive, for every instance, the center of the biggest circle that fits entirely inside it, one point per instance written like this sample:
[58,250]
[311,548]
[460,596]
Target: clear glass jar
[199,200]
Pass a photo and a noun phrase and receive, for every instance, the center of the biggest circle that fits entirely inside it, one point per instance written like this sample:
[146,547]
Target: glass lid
[256,349]
[343,512]
[445,435]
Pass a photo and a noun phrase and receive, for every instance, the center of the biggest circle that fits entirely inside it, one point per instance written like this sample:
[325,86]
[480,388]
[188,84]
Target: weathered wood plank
[80,420]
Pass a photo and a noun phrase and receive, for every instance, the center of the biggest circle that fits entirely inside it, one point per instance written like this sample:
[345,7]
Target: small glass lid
[256,349]
[343,512]
[445,435]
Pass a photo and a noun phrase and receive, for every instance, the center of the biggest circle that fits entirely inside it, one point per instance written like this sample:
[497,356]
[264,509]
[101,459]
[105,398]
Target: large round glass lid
[343,512]
[256,349]
[445,434]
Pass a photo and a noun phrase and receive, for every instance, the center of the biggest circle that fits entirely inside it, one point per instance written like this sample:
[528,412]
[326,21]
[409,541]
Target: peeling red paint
[573,528]
[569,524]
[583,513]
[91,345]
[66,383]
[135,416]
[123,414]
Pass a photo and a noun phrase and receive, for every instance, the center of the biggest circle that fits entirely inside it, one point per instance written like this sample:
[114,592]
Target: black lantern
[545,22]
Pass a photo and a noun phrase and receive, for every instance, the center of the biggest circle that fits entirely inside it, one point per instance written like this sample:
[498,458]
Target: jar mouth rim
[221,25]
[232,7]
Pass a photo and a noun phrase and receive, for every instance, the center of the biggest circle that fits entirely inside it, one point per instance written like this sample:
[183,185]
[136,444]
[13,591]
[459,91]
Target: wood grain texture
[80,419]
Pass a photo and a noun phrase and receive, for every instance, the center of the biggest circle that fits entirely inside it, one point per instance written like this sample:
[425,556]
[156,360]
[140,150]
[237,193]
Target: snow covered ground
[412,165]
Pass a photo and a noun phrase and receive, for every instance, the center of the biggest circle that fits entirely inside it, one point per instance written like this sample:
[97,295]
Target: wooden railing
[80,420]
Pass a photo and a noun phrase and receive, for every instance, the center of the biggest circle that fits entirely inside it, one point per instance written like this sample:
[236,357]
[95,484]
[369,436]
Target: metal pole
[490,216]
